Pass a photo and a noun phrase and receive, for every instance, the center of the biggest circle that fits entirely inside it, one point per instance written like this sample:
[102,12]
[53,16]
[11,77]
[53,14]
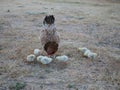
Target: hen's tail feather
[51,47]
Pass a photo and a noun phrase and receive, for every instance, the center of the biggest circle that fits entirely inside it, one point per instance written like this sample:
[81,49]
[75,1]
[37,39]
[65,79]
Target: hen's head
[50,19]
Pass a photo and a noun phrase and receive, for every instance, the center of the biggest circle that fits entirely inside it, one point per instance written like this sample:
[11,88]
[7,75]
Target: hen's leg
[53,56]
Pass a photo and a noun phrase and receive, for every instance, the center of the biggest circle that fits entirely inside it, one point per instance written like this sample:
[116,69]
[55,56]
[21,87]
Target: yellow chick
[87,52]
[82,49]
[36,52]
[31,58]
[44,59]
[63,58]
[92,55]
[39,58]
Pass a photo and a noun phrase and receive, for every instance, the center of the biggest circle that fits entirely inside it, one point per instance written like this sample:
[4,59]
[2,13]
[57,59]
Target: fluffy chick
[31,58]
[44,59]
[63,58]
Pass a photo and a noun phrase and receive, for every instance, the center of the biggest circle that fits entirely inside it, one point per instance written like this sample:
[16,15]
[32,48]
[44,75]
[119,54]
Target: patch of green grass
[47,70]
[72,86]
[18,86]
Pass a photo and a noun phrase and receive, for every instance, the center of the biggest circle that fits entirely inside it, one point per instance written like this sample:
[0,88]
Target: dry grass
[80,23]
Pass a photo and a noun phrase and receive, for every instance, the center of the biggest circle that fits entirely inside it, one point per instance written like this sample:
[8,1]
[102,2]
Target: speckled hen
[49,37]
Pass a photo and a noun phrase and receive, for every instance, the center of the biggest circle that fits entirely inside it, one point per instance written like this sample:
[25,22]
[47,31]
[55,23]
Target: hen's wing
[43,37]
[49,36]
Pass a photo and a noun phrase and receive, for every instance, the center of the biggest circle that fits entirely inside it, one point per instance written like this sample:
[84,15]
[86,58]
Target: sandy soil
[94,24]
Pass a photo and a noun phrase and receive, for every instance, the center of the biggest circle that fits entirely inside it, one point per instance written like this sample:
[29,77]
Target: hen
[49,37]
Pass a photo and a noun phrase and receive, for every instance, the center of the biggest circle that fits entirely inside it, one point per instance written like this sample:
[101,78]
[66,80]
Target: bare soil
[94,24]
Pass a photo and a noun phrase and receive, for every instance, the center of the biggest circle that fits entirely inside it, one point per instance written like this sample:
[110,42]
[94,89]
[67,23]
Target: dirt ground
[94,24]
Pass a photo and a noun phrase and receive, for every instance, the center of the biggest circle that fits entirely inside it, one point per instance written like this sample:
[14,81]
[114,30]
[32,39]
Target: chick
[87,53]
[44,59]
[82,49]
[39,58]
[92,55]
[31,58]
[36,52]
[63,58]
